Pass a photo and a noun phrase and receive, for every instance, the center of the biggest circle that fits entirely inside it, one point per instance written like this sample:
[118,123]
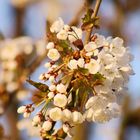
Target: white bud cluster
[26,110]
[65,31]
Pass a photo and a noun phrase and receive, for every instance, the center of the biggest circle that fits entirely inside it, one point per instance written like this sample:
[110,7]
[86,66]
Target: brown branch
[82,131]
[12,119]
[130,118]
[19,12]
[96,9]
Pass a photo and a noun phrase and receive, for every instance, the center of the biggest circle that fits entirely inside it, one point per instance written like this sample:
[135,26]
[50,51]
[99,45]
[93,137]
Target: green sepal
[40,86]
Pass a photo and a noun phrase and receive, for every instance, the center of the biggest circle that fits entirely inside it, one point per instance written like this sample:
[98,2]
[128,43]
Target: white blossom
[89,54]
[47,76]
[21,109]
[50,95]
[73,64]
[57,26]
[26,115]
[10,49]
[55,114]
[47,125]
[89,114]
[101,116]
[53,54]
[50,69]
[22,95]
[61,88]
[66,27]
[51,78]
[77,117]
[81,62]
[67,115]
[36,119]
[93,66]
[12,86]
[100,40]
[50,45]
[117,42]
[115,109]
[90,47]
[118,51]
[60,100]
[66,128]
[47,65]
[41,77]
[91,101]
[62,35]
[52,87]
[10,65]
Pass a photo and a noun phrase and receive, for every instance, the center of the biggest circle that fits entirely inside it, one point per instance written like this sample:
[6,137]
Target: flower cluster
[14,62]
[85,80]
[13,55]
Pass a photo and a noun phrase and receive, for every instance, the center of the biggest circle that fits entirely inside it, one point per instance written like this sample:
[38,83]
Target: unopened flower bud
[21,109]
[50,95]
[47,125]
[52,87]
[26,115]
[51,78]
[47,65]
[50,45]
[61,88]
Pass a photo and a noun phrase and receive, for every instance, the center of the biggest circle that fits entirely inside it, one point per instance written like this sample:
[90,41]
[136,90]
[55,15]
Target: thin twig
[96,9]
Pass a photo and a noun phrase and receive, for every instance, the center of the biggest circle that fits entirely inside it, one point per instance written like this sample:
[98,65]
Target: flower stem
[96,9]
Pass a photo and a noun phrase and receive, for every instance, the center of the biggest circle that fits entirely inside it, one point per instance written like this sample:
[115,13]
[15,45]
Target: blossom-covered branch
[82,82]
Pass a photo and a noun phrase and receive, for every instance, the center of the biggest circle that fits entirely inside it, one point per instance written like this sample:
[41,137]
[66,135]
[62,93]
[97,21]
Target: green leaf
[76,98]
[89,21]
[87,16]
[38,98]
[67,78]
[83,95]
[93,22]
[64,47]
[98,76]
[40,86]
[83,70]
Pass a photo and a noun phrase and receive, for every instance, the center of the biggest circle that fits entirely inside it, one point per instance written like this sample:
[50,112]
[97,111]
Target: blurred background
[117,18]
